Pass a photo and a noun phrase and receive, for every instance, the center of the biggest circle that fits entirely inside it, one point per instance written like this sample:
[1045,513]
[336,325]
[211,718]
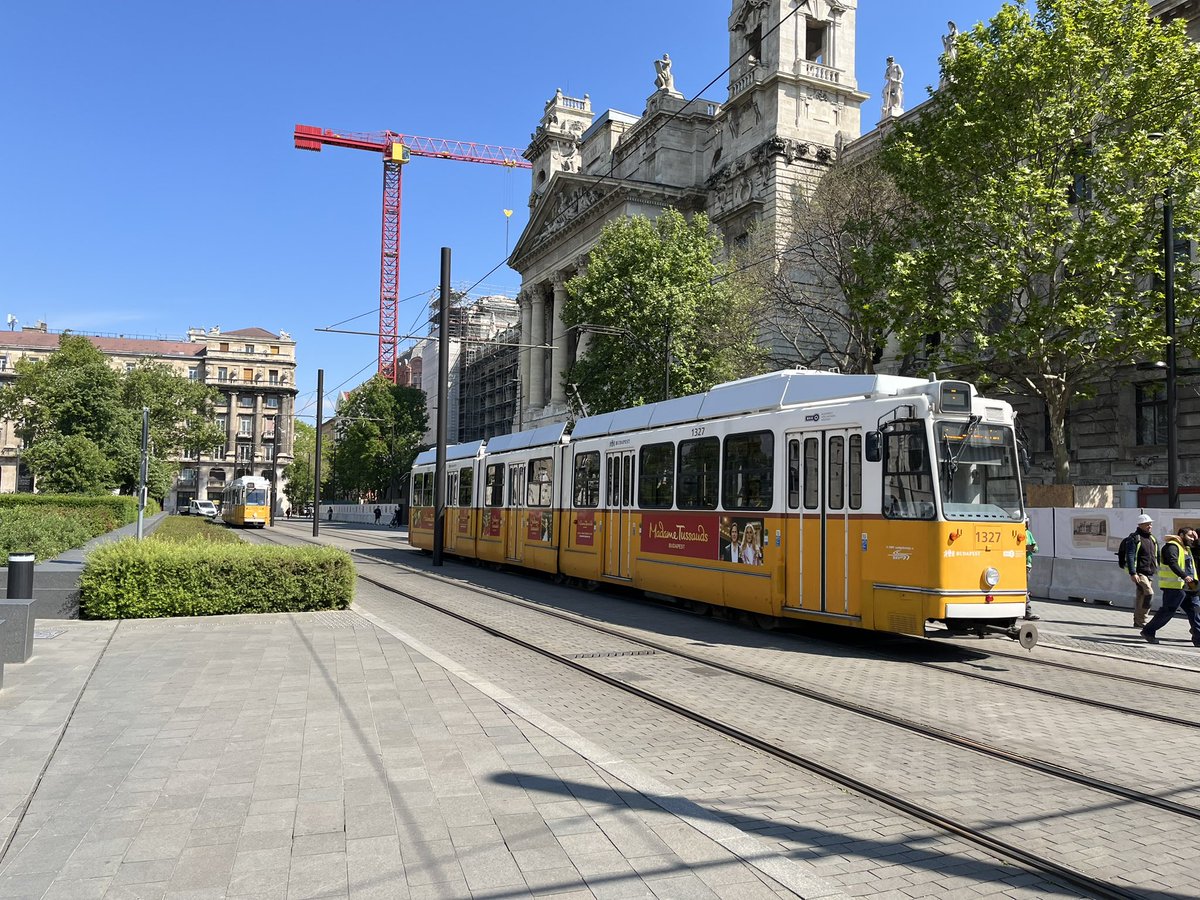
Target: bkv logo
[901,555]
[815,417]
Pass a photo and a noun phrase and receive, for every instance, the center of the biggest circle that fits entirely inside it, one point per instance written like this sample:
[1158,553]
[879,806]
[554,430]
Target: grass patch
[182,529]
[155,578]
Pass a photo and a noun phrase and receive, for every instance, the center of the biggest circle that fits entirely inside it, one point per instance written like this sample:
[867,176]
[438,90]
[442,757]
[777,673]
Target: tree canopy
[299,473]
[660,305]
[82,420]
[1035,240]
[380,428]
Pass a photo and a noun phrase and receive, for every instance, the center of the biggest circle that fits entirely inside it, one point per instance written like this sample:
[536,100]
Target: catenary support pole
[316,506]
[439,478]
[143,471]
[1172,387]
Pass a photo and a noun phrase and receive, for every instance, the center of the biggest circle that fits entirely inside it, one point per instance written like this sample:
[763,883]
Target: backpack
[1123,550]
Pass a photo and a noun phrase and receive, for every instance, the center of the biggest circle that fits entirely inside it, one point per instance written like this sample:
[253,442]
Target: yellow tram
[245,502]
[871,501]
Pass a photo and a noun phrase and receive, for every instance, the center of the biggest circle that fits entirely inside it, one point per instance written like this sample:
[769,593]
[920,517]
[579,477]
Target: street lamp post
[1172,390]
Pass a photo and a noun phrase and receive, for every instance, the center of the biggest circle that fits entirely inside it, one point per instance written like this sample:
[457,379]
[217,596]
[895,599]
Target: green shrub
[115,509]
[150,579]
[45,532]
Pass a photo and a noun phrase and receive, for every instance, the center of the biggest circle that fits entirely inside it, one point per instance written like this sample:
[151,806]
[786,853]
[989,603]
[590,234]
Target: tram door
[618,538]
[516,511]
[820,502]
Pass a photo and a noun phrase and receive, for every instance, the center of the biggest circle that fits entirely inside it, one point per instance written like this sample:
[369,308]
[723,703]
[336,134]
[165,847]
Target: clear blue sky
[148,182]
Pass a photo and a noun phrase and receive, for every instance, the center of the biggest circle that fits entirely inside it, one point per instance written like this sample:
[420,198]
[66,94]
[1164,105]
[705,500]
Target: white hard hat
[1144,519]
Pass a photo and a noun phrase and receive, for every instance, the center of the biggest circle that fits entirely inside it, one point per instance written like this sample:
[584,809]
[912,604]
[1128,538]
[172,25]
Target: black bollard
[20,576]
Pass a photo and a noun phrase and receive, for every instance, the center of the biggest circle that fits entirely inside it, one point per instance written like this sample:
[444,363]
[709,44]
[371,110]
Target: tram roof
[775,390]
[537,437]
[456,451]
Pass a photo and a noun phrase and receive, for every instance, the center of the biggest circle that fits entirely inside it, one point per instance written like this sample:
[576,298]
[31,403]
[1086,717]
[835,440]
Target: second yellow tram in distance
[871,501]
[245,502]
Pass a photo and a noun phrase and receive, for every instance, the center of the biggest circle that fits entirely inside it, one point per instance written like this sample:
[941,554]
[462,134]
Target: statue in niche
[663,79]
[949,51]
[893,89]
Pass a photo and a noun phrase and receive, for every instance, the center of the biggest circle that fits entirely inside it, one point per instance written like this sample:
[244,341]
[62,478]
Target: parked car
[204,508]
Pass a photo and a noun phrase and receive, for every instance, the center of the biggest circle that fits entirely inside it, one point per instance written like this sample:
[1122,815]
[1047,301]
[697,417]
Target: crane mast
[397,149]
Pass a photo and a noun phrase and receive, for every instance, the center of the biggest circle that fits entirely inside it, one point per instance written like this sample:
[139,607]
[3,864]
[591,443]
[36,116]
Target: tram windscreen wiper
[951,455]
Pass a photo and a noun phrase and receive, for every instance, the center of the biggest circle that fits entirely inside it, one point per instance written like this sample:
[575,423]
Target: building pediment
[573,201]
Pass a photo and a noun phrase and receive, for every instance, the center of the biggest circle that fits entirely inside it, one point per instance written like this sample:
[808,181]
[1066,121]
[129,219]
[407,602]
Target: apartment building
[253,370]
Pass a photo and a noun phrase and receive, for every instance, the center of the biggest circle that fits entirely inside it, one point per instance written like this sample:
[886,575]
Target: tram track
[1093,702]
[978,837]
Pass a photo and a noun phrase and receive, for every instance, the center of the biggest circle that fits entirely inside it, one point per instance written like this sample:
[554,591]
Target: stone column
[537,356]
[558,358]
[231,426]
[523,353]
[258,428]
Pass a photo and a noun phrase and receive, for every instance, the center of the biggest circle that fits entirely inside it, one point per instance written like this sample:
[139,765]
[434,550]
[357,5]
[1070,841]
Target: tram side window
[748,466]
[656,481]
[541,482]
[493,492]
[907,480]
[699,461]
[452,489]
[856,466]
[514,487]
[586,488]
[418,490]
[837,472]
[812,473]
[466,481]
[793,484]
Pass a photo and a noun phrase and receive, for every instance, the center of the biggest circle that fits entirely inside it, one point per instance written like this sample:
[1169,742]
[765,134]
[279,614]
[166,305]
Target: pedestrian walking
[1141,562]
[1176,578]
[1030,549]
[287,512]
[1191,598]
[378,513]
[329,518]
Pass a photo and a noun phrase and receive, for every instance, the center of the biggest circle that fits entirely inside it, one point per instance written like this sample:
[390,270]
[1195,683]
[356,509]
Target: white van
[204,508]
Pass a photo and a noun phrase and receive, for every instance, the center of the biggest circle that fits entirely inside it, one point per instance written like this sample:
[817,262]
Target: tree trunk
[1056,412]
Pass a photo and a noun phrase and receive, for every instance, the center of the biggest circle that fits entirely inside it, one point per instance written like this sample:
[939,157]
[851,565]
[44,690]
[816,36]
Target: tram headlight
[991,576]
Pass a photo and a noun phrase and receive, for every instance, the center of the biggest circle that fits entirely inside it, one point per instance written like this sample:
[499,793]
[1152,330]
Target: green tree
[380,427]
[69,464]
[660,301]
[299,472]
[824,303]
[1033,174]
[181,418]
[75,392]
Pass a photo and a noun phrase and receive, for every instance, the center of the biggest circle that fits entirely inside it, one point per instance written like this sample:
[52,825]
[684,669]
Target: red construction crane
[396,150]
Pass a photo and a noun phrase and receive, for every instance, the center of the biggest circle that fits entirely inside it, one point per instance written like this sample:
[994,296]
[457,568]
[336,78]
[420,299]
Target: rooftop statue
[663,79]
[949,51]
[893,89]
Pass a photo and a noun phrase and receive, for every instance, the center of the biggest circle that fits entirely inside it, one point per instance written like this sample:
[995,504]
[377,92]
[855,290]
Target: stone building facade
[253,370]
[791,102]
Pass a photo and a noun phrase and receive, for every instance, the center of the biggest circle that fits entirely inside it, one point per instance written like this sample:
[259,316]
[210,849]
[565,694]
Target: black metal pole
[1172,392]
[274,473]
[20,576]
[439,478]
[316,510]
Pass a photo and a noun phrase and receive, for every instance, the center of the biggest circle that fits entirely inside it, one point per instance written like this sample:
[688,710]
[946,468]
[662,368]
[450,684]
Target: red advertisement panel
[423,517]
[540,526]
[680,534]
[464,521]
[491,523]
[585,529]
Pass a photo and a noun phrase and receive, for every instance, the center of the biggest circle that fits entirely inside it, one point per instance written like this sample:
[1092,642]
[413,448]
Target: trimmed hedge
[182,529]
[45,532]
[151,579]
[48,524]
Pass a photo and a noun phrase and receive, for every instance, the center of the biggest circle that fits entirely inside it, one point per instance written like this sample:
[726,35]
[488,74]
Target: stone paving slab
[316,755]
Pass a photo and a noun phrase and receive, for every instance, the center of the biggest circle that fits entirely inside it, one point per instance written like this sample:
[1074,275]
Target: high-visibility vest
[1167,579]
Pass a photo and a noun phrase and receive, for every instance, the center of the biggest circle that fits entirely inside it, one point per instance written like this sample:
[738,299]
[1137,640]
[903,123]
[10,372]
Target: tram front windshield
[977,468]
[256,497]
